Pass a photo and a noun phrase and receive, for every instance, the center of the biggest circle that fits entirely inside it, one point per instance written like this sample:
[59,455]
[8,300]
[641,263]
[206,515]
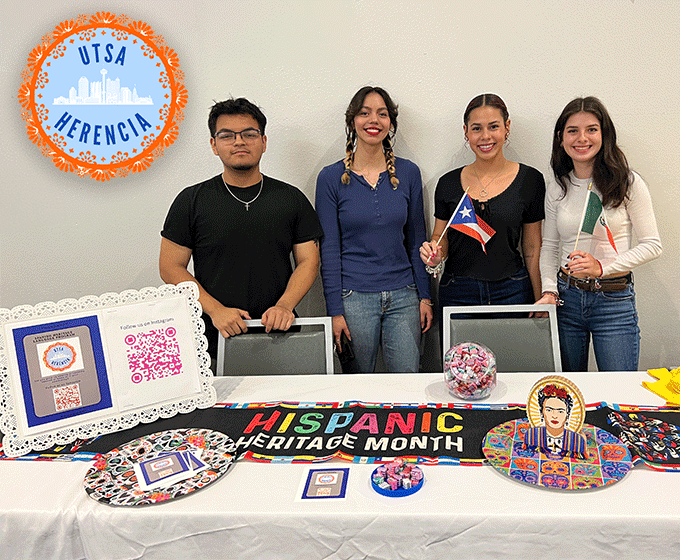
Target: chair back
[306,350]
[519,343]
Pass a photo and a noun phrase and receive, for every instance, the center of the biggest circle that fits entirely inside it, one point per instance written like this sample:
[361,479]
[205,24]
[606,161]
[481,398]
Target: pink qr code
[153,354]
[67,397]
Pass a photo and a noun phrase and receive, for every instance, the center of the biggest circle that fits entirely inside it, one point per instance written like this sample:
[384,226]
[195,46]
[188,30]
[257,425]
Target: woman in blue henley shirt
[371,209]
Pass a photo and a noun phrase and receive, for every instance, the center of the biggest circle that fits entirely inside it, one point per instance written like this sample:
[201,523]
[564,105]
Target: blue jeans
[391,318]
[459,290]
[609,317]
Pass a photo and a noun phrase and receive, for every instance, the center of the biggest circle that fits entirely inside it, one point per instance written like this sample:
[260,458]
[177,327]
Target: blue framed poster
[62,369]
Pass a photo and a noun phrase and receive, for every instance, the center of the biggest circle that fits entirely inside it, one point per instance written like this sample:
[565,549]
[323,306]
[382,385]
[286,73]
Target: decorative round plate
[608,459]
[112,479]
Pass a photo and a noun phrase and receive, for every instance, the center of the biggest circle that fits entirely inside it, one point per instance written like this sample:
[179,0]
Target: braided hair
[353,109]
[349,158]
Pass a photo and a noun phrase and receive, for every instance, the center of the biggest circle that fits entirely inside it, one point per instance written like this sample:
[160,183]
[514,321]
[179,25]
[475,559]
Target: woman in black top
[492,259]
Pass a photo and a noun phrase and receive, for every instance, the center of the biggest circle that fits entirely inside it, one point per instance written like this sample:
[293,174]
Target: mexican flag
[594,218]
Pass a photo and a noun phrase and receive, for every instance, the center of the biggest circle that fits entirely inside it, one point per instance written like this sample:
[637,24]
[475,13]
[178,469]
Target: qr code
[67,397]
[153,354]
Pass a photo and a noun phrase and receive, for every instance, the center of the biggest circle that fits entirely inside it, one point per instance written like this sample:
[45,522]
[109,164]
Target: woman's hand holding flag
[583,265]
[430,253]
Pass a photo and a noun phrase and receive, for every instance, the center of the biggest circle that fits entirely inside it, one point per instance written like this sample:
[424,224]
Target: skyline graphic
[102,92]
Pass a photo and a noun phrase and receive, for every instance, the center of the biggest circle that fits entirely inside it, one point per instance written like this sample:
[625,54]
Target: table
[255,510]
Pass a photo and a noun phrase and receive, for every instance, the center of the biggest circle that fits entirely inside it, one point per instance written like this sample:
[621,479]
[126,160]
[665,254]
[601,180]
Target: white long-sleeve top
[563,219]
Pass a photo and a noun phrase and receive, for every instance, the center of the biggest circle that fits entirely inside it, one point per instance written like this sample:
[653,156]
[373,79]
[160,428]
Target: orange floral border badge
[50,361]
[97,148]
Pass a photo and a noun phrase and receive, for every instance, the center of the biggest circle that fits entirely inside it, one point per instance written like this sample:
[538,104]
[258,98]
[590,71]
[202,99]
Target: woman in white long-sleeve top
[592,208]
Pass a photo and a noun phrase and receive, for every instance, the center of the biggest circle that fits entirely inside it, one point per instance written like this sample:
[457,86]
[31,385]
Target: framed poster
[81,368]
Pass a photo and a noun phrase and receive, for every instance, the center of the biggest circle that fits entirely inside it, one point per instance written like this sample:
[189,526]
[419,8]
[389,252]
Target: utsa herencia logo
[102,96]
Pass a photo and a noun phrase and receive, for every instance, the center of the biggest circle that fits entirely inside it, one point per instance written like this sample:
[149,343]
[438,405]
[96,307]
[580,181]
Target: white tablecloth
[255,510]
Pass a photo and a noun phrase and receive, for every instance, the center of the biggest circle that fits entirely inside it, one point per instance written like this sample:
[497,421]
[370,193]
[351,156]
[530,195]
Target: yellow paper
[667,385]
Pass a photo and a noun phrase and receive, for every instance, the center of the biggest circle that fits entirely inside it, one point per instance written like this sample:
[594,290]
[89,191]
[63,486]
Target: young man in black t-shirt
[240,227]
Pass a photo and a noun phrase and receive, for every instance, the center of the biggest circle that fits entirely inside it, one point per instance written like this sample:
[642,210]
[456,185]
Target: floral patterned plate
[112,479]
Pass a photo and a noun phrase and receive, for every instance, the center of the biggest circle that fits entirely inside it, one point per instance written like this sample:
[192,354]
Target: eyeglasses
[247,135]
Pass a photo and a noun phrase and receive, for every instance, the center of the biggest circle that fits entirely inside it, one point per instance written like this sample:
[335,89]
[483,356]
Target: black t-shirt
[520,203]
[241,257]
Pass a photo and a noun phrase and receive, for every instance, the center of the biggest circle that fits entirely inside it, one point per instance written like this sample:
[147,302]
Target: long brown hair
[353,110]
[611,172]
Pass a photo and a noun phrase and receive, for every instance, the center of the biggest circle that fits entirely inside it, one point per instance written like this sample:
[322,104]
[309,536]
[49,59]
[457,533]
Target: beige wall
[64,236]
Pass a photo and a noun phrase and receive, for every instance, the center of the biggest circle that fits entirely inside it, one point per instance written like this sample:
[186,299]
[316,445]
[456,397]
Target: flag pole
[583,214]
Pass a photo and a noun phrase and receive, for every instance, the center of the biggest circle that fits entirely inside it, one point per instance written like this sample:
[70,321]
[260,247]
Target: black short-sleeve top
[506,213]
[242,257]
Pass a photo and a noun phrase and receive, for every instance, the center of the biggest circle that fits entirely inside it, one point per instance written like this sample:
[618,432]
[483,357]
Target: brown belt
[617,284]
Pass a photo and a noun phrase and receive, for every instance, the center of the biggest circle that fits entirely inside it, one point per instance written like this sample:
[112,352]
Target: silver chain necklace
[247,204]
[484,193]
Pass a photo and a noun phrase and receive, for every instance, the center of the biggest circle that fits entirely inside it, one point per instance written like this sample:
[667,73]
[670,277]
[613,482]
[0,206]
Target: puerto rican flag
[466,221]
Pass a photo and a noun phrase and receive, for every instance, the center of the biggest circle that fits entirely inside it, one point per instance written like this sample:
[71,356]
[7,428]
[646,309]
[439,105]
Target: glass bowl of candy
[470,370]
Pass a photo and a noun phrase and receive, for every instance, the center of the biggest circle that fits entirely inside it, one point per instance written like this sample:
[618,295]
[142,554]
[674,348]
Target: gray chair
[308,351]
[520,343]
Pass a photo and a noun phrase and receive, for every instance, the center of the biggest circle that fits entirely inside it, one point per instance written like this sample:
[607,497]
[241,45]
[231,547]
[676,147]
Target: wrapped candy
[470,370]
[397,478]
